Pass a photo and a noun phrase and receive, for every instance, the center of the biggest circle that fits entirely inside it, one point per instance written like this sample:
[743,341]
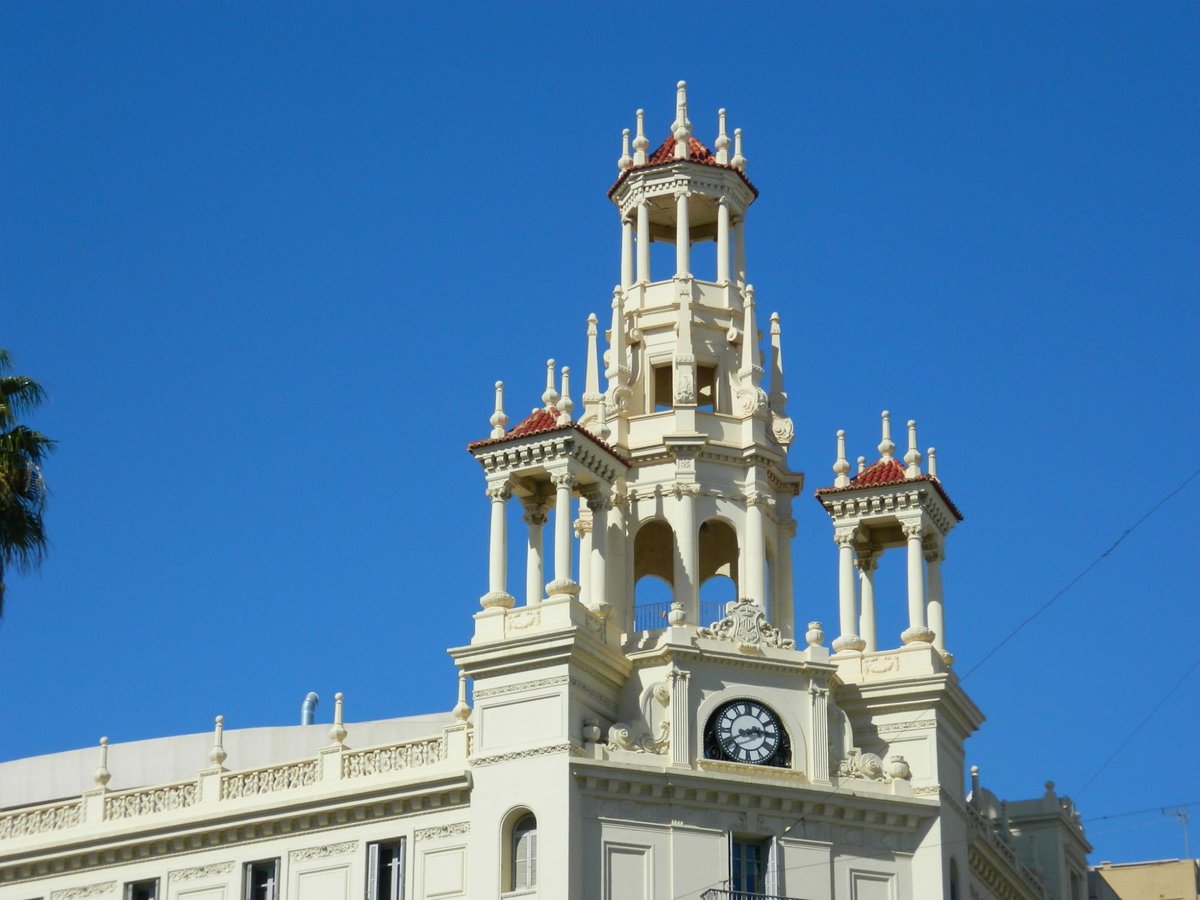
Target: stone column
[847,640]
[916,630]
[626,252]
[783,607]
[937,618]
[687,560]
[535,518]
[599,504]
[583,534]
[643,242]
[819,696]
[680,726]
[867,561]
[563,585]
[498,594]
[723,240]
[756,552]
[683,236]
[739,251]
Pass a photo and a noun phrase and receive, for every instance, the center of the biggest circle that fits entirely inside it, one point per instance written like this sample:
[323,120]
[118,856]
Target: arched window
[954,892]
[524,853]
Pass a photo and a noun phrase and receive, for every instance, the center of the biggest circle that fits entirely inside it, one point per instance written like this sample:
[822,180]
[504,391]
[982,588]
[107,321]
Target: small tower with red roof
[889,504]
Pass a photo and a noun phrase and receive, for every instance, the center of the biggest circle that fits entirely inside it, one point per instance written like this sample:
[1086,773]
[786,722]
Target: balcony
[721,894]
[653,616]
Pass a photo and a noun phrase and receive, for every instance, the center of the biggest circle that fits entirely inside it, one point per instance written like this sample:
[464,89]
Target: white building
[611,748]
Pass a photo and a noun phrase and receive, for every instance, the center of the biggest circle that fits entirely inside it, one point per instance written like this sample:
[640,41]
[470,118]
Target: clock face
[748,732]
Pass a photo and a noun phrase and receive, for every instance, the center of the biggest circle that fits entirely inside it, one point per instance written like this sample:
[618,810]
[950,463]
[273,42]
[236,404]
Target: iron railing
[722,894]
[652,616]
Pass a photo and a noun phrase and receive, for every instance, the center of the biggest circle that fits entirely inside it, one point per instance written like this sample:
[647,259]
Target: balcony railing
[652,616]
[721,894]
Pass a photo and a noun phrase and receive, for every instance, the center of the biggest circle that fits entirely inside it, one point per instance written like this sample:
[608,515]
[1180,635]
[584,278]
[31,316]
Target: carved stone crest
[746,625]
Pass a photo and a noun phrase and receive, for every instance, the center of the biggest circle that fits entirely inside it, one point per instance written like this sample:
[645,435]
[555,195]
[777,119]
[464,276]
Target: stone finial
[640,143]
[722,142]
[932,454]
[550,395]
[565,403]
[591,375]
[677,615]
[337,731]
[217,754]
[626,161]
[499,420]
[681,128]
[913,457]
[862,464]
[974,785]
[738,161]
[102,776]
[462,712]
[886,446]
[751,367]
[815,636]
[841,466]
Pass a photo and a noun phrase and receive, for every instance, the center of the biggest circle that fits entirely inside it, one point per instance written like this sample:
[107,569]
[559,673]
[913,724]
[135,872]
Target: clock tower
[670,745]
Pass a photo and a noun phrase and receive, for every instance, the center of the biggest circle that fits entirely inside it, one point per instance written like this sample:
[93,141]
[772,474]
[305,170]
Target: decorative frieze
[531,753]
[92,890]
[324,851]
[483,693]
[212,870]
[454,829]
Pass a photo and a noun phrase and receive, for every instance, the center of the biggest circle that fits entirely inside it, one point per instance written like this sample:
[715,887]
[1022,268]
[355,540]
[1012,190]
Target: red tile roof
[543,421]
[888,472]
[665,155]
[697,152]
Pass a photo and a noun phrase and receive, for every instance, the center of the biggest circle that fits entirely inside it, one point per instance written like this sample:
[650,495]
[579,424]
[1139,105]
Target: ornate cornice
[531,753]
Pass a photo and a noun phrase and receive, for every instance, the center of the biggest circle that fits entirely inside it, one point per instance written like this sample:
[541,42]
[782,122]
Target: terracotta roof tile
[543,421]
[888,472]
[697,152]
[665,155]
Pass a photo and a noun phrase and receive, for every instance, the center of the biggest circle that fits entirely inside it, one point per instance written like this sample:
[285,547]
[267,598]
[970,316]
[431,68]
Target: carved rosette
[746,626]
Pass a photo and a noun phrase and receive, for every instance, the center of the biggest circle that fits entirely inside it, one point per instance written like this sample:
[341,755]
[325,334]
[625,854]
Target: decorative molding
[881,665]
[745,625]
[380,760]
[442,831]
[324,851]
[521,754]
[523,686]
[269,780]
[152,800]
[916,725]
[212,870]
[91,890]
[46,818]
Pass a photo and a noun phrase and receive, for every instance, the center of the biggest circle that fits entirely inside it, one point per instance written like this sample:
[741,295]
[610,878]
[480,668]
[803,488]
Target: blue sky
[268,260]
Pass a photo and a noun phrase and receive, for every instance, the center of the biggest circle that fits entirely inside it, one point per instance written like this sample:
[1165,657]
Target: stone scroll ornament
[870,767]
[653,733]
[746,625]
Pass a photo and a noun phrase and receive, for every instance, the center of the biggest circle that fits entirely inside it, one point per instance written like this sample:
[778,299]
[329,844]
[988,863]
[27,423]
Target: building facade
[618,733]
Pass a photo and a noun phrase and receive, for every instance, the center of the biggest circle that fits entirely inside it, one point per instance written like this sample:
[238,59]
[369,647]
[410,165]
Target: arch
[718,548]
[519,850]
[654,551]
[790,714]
[652,599]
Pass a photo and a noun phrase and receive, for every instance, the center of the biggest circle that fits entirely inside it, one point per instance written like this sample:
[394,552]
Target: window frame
[143,882]
[247,878]
[400,872]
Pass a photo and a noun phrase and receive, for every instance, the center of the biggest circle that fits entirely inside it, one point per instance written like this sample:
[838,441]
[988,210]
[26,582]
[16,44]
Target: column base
[562,588]
[497,599]
[849,642]
[916,634]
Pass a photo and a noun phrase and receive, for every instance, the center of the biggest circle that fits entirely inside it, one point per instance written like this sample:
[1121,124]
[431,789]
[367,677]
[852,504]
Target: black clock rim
[767,760]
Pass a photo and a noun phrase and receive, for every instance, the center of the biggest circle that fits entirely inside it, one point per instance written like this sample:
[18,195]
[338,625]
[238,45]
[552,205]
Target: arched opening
[520,851]
[954,891]
[653,574]
[718,550]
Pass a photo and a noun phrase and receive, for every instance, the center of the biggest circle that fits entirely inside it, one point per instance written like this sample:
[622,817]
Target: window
[385,870]
[524,853]
[753,868]
[706,388]
[663,396]
[262,880]
[142,890]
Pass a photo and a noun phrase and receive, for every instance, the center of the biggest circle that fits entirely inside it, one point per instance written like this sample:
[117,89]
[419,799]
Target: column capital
[582,527]
[760,498]
[683,489]
[499,491]
[933,554]
[682,193]
[537,510]
[866,561]
[563,479]
[844,537]
[912,530]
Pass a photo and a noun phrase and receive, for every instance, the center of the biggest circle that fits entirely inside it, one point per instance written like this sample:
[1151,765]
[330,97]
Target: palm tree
[22,489]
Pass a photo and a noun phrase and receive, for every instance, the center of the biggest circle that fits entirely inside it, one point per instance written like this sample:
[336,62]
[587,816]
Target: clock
[746,731]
